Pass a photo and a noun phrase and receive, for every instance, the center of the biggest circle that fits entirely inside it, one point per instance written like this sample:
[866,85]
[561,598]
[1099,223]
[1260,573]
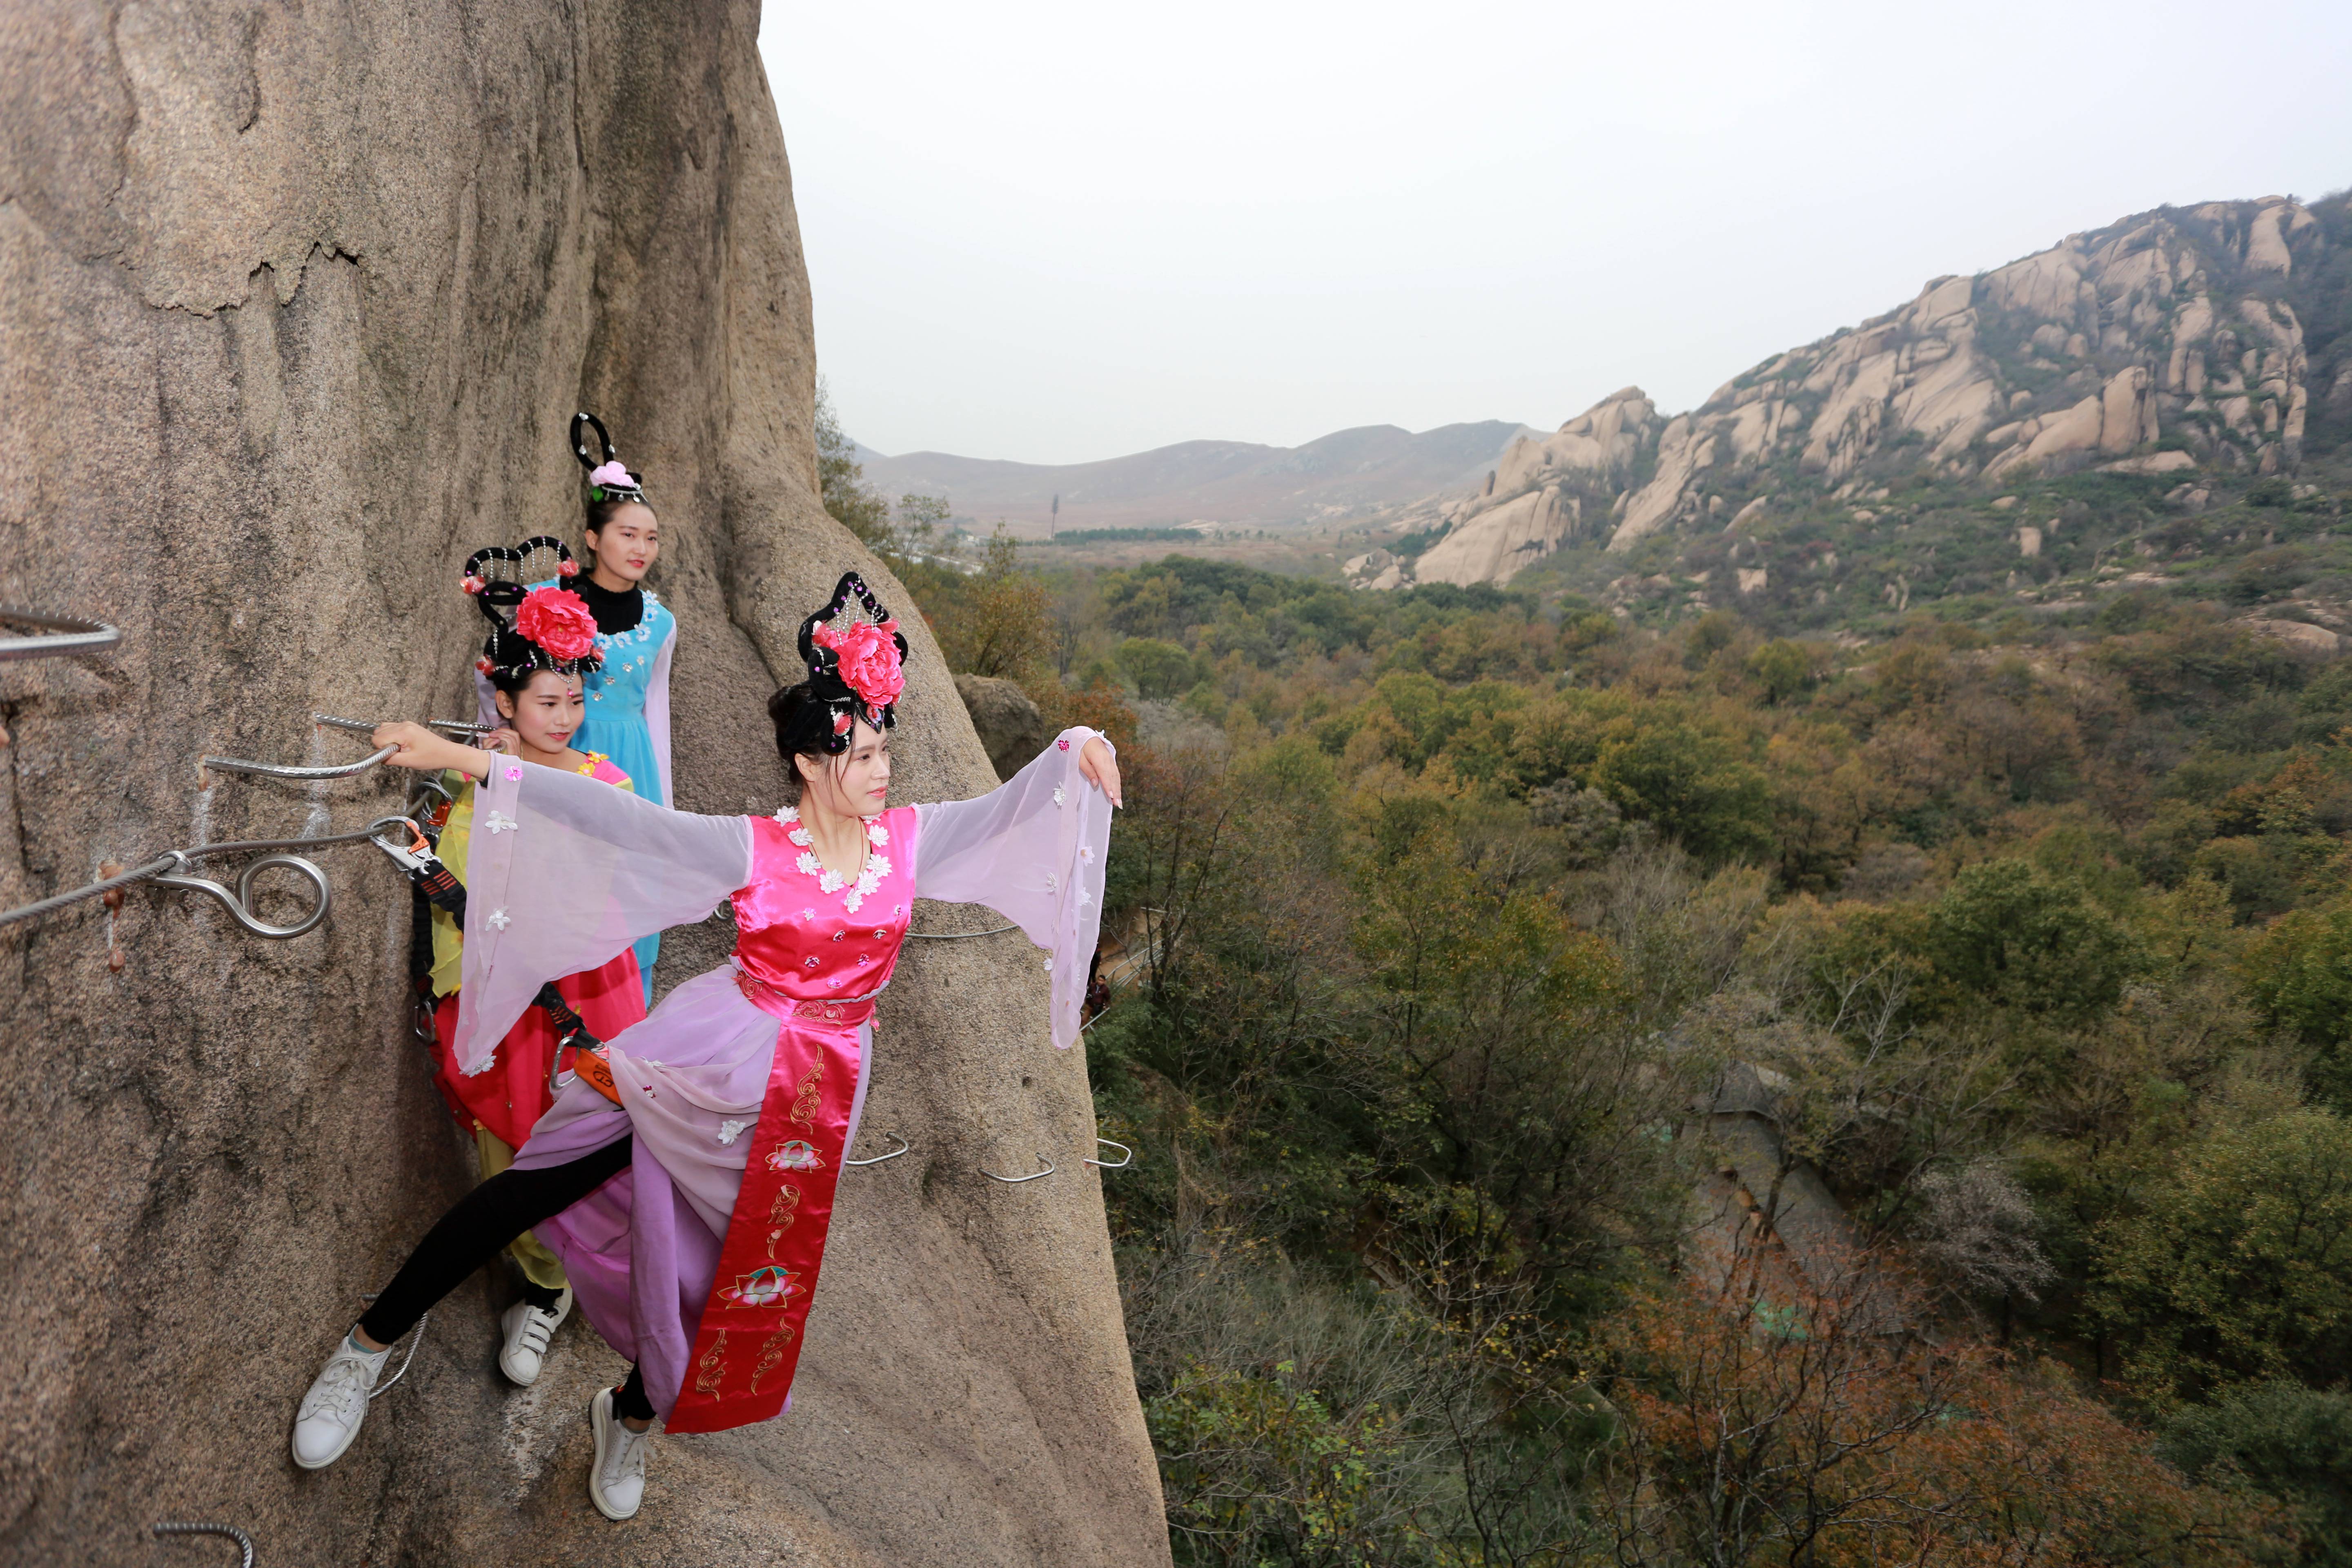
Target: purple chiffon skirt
[642,1250]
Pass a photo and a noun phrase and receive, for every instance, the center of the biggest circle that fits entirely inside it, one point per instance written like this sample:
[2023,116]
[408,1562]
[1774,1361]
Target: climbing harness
[79,636]
[442,889]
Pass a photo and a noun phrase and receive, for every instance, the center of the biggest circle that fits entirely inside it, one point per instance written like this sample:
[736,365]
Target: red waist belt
[596,1071]
[768,999]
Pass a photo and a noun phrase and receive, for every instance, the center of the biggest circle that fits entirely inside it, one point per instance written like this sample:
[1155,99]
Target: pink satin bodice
[806,943]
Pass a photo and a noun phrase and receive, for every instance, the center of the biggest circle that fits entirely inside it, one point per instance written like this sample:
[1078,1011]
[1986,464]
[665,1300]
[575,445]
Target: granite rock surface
[296,302]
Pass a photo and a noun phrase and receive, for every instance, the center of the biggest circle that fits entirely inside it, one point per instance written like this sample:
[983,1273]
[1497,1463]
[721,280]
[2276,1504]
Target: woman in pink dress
[686,1176]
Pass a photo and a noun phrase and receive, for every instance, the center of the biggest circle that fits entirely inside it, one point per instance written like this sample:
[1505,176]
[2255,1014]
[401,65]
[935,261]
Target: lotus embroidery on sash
[769,1287]
[796,1155]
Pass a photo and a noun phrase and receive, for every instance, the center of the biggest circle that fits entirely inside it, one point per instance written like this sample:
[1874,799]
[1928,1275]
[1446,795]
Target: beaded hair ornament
[608,477]
[854,672]
[534,630]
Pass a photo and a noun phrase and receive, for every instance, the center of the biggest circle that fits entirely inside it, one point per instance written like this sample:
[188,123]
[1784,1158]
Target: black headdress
[854,673]
[608,477]
[543,628]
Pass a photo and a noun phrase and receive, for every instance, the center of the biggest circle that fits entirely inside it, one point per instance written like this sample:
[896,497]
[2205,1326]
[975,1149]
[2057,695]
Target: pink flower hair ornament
[855,671]
[608,477]
[867,657]
[558,620]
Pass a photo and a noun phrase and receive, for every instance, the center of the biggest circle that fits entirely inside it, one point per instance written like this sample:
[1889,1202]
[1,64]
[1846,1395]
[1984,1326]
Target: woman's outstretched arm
[1033,849]
[563,872]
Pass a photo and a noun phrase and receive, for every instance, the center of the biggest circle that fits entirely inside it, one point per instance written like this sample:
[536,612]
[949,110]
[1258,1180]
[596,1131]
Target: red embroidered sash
[749,1344]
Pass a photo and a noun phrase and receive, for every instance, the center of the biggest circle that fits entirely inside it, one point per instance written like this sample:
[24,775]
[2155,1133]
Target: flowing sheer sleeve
[486,703]
[1033,850]
[657,714]
[563,873]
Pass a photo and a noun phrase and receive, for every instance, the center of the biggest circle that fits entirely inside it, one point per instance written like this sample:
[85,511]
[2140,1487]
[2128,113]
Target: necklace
[869,874]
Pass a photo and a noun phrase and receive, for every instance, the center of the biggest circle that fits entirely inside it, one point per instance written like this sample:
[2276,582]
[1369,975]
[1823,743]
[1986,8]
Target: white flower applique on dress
[731,1131]
[869,878]
[494,823]
[497,919]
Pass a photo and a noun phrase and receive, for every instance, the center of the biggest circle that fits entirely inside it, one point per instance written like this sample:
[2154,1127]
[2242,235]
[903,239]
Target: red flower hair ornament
[855,671]
[867,659]
[558,620]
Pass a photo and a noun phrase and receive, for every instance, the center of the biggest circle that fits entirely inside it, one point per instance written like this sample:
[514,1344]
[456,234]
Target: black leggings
[477,1226]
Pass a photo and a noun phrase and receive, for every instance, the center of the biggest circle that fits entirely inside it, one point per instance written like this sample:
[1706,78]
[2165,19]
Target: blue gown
[628,717]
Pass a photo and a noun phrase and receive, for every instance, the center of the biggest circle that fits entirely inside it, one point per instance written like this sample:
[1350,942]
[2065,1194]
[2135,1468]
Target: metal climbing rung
[75,635]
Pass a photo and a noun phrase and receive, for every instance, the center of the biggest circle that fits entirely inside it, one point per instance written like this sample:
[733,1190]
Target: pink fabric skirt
[642,1250]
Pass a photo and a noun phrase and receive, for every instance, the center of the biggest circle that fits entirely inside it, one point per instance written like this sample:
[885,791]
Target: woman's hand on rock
[1097,765]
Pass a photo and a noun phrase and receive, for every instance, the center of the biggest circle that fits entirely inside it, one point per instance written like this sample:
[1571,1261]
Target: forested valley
[1676,1093]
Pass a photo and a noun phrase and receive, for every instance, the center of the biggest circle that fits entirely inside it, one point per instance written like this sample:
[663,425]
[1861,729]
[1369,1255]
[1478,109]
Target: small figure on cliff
[627,691]
[686,1176]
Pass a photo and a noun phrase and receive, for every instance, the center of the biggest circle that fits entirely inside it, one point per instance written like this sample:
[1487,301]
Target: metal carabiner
[241,903]
[426,784]
[410,857]
[1107,1165]
[1016,1181]
[902,1148]
[558,1081]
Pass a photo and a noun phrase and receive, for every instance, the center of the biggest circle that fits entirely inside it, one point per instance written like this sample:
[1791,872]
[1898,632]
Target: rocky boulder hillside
[296,302]
[2184,342]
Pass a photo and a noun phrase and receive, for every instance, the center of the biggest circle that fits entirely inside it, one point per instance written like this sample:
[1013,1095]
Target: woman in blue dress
[628,695]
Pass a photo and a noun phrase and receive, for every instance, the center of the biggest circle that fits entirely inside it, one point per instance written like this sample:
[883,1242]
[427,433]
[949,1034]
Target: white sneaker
[616,1478]
[338,1401]
[528,1329]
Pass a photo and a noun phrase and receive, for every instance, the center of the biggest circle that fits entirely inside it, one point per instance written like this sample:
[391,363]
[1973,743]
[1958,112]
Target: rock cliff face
[2172,340]
[295,301]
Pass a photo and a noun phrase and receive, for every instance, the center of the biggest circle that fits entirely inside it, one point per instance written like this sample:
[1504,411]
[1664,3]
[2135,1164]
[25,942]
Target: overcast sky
[1057,232]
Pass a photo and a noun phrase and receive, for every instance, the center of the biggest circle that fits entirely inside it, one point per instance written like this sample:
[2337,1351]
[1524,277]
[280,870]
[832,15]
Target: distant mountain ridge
[1370,469]
[2214,339]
